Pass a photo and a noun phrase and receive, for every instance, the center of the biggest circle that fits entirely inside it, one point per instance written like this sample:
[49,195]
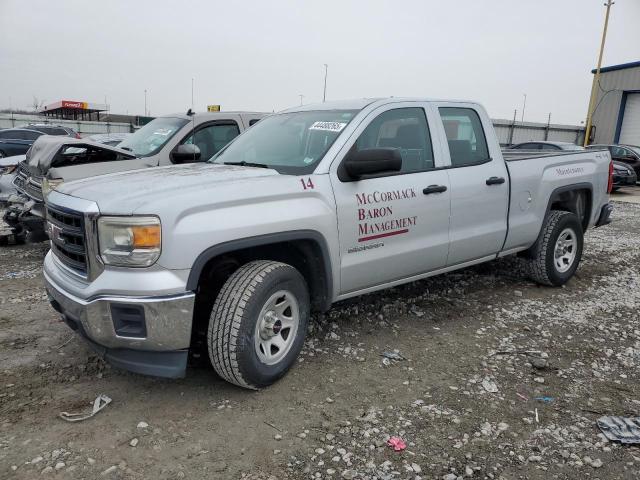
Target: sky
[262,55]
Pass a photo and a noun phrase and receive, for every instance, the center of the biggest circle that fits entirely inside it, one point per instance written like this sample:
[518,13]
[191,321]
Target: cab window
[405,129]
[465,136]
[210,139]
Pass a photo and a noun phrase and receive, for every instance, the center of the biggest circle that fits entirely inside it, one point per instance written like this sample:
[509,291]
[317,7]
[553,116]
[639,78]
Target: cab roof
[361,103]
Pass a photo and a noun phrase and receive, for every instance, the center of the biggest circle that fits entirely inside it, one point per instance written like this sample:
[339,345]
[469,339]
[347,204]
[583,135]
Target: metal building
[616,115]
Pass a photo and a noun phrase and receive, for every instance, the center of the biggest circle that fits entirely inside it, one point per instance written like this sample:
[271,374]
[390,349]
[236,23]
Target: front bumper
[159,347]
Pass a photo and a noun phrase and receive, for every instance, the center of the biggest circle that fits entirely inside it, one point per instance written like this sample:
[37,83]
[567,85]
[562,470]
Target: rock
[142,425]
[134,442]
[109,470]
[331,471]
[489,385]
[60,465]
[450,476]
[91,461]
[539,379]
[349,474]
[277,452]
[517,293]
[319,451]
[539,363]
[330,436]
[468,471]
[38,459]
[416,468]
[535,458]
[302,435]
[597,463]
[329,400]
[277,436]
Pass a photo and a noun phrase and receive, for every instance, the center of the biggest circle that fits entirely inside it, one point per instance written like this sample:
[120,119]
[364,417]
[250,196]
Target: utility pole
[192,94]
[145,102]
[324,95]
[513,127]
[596,77]
[524,105]
[301,97]
[546,132]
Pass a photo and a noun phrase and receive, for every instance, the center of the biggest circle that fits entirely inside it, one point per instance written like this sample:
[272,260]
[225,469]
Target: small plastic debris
[489,385]
[522,396]
[545,399]
[395,355]
[397,444]
[99,403]
[620,429]
[537,417]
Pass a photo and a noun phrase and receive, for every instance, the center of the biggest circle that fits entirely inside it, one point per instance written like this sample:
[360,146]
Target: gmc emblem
[55,233]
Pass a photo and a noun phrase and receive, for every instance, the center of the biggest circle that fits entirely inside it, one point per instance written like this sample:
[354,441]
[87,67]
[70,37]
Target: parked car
[52,129]
[179,138]
[549,146]
[623,176]
[16,141]
[308,207]
[8,167]
[629,154]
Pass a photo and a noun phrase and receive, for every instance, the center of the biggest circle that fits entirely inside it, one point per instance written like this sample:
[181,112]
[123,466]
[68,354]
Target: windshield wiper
[248,164]
[126,148]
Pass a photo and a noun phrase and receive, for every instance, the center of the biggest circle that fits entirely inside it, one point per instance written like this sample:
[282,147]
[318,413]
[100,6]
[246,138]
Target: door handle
[495,181]
[434,189]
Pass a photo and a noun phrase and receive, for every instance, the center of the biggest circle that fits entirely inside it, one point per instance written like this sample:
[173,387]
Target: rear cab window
[465,136]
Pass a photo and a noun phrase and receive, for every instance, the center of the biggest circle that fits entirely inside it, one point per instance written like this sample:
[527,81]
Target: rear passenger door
[479,185]
[393,225]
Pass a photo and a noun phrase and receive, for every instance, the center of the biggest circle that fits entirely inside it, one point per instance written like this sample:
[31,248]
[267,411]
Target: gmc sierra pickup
[311,206]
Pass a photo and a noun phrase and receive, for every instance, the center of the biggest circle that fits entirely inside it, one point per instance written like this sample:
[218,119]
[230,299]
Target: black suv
[629,154]
[16,141]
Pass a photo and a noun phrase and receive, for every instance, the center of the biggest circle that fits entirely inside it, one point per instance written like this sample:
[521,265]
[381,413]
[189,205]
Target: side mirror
[370,161]
[185,153]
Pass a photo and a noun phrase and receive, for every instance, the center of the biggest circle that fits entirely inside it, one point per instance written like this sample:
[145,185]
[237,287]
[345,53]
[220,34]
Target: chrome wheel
[565,250]
[276,327]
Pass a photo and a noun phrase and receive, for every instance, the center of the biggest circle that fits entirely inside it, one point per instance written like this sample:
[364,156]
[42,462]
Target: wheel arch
[307,250]
[576,198]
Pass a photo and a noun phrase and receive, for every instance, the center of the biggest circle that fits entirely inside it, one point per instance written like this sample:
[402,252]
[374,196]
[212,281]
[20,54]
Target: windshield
[291,143]
[153,136]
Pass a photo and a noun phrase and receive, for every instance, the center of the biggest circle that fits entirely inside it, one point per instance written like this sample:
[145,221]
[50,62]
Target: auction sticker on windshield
[328,126]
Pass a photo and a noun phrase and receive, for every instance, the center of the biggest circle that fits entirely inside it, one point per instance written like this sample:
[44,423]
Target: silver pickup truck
[311,206]
[172,139]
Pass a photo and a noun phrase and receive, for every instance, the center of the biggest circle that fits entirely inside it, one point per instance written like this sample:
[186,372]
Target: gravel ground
[477,350]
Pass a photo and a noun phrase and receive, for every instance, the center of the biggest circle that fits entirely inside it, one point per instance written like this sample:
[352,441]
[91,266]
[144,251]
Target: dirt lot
[331,416]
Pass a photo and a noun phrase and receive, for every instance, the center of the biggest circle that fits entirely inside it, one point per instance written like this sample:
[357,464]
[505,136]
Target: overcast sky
[260,55]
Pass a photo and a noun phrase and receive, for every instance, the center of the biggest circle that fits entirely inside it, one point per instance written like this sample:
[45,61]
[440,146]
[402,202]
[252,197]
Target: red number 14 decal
[307,184]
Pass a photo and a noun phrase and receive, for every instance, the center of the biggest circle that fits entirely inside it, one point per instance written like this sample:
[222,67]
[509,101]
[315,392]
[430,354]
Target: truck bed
[536,179]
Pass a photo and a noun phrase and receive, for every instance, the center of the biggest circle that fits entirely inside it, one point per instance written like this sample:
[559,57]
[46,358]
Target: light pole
[324,95]
[301,97]
[524,105]
[596,77]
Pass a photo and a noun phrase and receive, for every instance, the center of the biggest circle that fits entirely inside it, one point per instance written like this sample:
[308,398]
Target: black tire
[234,318]
[540,262]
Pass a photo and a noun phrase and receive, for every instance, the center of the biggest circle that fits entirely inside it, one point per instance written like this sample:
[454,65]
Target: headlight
[49,184]
[129,241]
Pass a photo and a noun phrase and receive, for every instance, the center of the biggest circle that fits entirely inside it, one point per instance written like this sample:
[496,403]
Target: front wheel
[258,323]
[555,257]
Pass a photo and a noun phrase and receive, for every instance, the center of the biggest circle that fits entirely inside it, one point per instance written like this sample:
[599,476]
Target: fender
[262,240]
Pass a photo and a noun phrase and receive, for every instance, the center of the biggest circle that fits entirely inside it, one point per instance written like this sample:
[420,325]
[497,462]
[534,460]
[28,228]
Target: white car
[8,167]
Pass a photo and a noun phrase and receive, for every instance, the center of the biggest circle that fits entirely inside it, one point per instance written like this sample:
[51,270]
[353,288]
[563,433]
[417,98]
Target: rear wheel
[258,323]
[555,257]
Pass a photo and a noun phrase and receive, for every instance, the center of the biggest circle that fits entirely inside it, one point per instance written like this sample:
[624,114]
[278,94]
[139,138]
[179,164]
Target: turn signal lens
[146,237]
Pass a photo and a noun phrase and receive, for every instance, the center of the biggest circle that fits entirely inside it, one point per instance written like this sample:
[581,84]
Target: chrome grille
[28,185]
[66,231]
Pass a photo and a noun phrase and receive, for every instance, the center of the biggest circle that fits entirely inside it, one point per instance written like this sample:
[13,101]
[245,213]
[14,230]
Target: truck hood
[53,151]
[124,192]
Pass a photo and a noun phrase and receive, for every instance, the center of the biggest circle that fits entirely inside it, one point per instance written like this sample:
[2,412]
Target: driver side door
[393,226]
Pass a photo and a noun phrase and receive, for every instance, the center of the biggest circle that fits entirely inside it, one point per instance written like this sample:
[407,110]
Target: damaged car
[174,139]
